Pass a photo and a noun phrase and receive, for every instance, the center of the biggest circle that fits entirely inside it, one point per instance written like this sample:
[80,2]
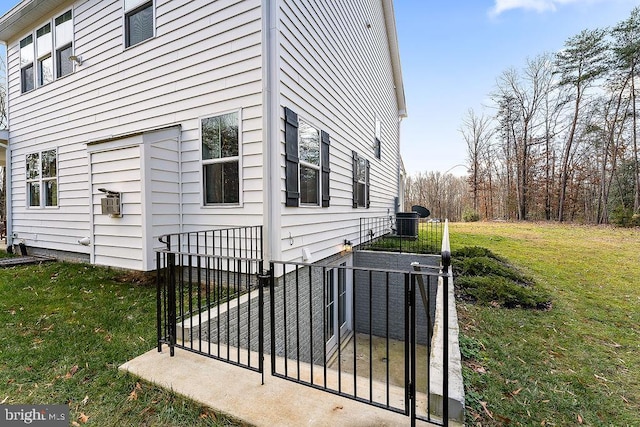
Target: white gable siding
[206,58]
[335,71]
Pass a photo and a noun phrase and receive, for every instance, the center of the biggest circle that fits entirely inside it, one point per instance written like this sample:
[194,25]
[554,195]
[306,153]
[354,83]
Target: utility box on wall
[111,204]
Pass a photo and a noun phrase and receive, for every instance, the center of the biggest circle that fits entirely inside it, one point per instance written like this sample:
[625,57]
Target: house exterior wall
[333,66]
[335,72]
[389,297]
[205,59]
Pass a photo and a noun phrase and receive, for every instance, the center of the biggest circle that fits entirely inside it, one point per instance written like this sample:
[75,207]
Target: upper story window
[377,144]
[309,155]
[27,79]
[138,21]
[221,159]
[46,50]
[45,60]
[42,179]
[64,44]
[360,181]
[307,163]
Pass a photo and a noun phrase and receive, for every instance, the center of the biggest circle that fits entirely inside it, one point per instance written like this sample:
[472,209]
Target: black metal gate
[378,351]
[362,333]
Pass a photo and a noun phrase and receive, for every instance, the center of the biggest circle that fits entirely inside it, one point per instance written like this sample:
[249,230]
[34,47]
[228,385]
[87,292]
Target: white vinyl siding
[118,241]
[202,60]
[336,70]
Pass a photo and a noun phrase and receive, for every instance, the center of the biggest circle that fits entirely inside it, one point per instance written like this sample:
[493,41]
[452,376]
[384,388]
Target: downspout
[400,207]
[271,146]
[8,196]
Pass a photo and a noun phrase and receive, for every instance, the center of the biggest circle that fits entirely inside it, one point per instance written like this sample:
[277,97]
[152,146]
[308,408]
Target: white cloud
[535,5]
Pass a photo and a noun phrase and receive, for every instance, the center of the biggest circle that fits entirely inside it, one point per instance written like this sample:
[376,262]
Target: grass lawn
[65,329]
[578,363]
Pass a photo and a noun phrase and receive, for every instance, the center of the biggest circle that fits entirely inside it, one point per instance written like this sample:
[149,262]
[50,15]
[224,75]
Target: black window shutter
[355,179]
[368,185]
[291,157]
[324,146]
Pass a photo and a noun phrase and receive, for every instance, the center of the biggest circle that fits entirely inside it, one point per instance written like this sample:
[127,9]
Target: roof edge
[394,51]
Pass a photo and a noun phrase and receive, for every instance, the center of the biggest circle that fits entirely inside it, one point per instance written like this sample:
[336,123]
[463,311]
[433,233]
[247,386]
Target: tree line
[559,140]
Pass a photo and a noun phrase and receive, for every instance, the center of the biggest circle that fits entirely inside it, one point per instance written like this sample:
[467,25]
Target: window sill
[126,48]
[222,206]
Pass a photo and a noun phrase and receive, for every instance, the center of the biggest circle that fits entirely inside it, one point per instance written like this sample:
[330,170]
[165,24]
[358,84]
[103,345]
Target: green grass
[428,241]
[578,363]
[65,329]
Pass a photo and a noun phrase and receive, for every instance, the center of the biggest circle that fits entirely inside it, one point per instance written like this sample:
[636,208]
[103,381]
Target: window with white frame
[64,43]
[138,21]
[27,80]
[44,54]
[377,144]
[360,181]
[221,159]
[309,155]
[42,179]
[306,163]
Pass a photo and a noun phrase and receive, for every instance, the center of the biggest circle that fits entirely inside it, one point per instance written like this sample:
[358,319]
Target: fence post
[171,301]
[410,312]
[159,302]
[272,316]
[263,280]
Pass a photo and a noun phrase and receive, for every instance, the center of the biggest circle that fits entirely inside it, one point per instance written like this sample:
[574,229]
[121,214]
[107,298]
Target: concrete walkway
[239,393]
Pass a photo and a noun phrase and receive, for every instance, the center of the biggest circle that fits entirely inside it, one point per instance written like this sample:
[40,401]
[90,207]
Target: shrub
[624,217]
[469,215]
[496,290]
[485,266]
[484,278]
[473,251]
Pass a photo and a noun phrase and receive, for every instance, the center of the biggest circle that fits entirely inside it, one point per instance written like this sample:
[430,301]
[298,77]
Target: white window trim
[365,182]
[124,24]
[310,165]
[54,60]
[33,62]
[202,162]
[377,141]
[49,54]
[41,180]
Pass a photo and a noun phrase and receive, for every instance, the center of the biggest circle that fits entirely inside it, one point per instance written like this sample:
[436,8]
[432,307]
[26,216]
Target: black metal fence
[236,242]
[204,301]
[362,333]
[403,232]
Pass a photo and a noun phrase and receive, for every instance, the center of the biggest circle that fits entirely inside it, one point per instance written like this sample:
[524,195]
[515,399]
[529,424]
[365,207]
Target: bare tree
[477,133]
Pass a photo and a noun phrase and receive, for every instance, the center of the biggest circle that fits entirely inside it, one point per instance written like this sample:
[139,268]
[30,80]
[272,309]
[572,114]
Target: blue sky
[452,51]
